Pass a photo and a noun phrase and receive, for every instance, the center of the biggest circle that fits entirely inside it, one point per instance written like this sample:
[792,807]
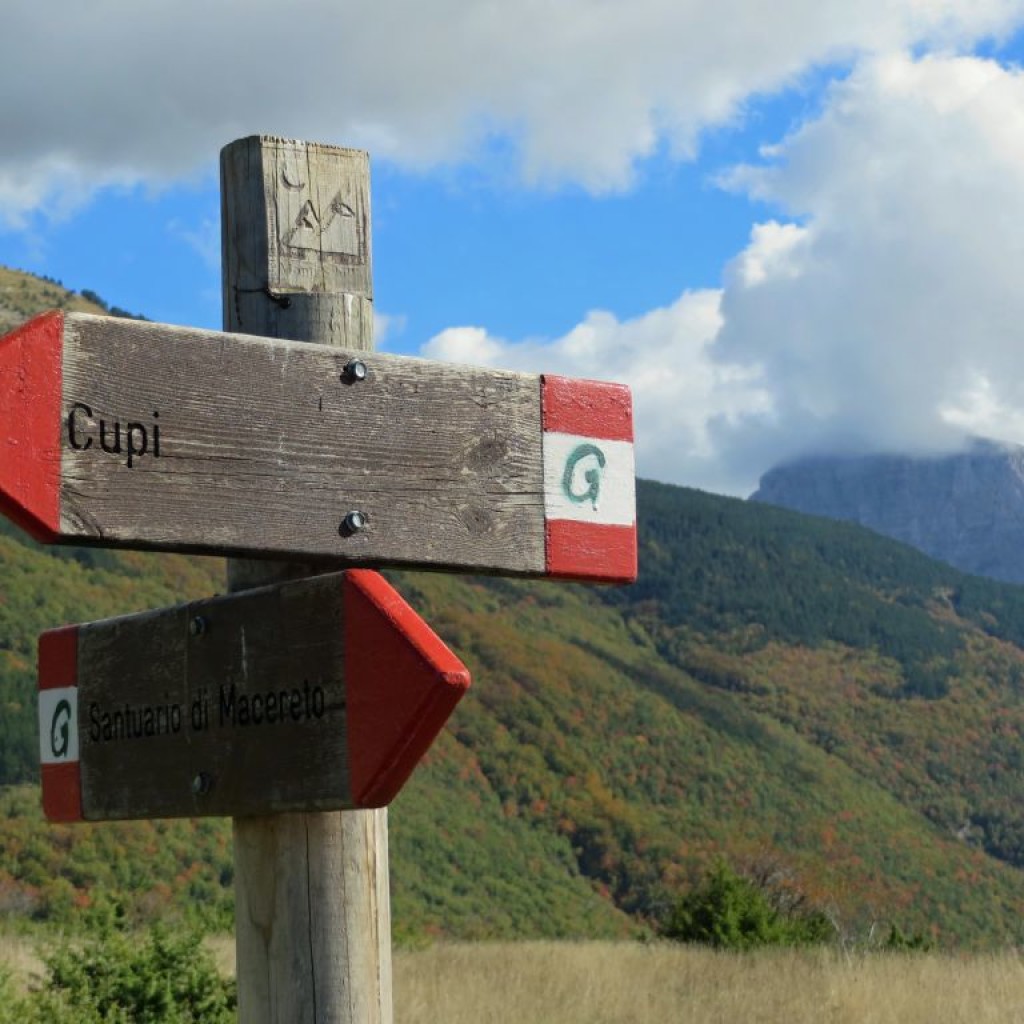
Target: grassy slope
[584,730]
[24,295]
[786,691]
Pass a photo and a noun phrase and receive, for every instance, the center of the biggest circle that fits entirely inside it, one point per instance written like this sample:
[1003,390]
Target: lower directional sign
[146,435]
[317,694]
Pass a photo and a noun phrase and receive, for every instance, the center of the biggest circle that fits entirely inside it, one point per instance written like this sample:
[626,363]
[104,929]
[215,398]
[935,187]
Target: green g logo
[591,476]
[60,729]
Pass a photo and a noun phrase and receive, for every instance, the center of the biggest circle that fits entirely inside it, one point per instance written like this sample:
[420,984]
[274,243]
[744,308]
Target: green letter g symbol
[592,476]
[60,729]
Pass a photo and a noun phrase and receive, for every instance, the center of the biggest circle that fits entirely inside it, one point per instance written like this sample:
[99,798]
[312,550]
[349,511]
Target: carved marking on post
[318,224]
[336,236]
[296,185]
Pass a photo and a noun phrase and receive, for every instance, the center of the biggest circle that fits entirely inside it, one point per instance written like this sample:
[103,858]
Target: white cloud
[117,91]
[681,393]
[886,314]
[387,327]
[53,183]
[889,317]
[203,238]
[880,308]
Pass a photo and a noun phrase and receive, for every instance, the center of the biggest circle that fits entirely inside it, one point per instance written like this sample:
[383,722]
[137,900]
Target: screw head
[353,522]
[201,784]
[354,371]
[197,626]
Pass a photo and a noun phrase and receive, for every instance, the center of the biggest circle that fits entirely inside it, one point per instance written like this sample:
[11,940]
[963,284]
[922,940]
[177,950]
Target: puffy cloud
[682,394]
[880,308]
[887,315]
[116,91]
[884,312]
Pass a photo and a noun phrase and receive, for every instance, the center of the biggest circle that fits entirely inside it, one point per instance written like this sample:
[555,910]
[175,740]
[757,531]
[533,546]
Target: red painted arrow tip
[30,402]
[401,683]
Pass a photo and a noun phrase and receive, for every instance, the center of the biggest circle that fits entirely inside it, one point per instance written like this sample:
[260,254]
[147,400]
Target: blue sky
[790,230]
[524,261]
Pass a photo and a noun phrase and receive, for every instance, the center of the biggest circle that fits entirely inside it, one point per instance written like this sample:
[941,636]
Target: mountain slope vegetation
[801,698]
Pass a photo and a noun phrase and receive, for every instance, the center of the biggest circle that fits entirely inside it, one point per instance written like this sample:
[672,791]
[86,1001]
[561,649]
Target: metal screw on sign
[353,522]
[197,626]
[201,784]
[354,371]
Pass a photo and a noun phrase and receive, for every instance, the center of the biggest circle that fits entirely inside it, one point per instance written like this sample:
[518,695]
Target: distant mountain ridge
[964,508]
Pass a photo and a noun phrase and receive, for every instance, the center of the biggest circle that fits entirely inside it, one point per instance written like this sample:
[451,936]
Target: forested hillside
[803,698]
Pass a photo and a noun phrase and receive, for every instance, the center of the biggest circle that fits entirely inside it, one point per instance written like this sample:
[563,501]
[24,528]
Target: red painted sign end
[58,724]
[589,480]
[402,684]
[30,414]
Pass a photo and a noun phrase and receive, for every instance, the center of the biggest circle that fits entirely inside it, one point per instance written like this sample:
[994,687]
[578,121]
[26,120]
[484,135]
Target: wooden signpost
[289,440]
[312,897]
[312,695]
[128,433]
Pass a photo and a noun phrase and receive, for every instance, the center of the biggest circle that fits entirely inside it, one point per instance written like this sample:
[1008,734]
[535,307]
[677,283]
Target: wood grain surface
[184,439]
[234,705]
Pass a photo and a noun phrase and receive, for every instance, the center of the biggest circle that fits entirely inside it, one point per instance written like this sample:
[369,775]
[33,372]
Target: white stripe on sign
[589,480]
[58,725]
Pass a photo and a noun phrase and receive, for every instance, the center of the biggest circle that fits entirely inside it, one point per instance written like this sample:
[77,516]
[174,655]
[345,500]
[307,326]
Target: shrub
[163,978]
[12,1006]
[729,911]
[899,942]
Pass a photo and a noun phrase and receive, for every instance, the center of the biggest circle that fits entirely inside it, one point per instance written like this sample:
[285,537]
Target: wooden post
[312,915]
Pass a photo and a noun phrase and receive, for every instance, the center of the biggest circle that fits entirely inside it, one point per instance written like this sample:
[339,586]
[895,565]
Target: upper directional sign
[133,434]
[316,694]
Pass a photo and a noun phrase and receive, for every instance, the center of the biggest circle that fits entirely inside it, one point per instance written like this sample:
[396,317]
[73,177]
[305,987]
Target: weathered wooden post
[312,913]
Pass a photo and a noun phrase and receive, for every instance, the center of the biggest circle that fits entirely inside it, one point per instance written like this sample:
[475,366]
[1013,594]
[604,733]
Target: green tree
[729,911]
[899,942]
[163,978]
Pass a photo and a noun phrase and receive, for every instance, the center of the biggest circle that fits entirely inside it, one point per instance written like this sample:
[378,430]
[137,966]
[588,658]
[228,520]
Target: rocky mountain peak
[965,508]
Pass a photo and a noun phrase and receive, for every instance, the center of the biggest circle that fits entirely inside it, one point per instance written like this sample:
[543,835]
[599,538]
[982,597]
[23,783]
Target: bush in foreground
[162,978]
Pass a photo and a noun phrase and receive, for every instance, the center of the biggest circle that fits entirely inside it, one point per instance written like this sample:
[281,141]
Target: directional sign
[125,433]
[317,694]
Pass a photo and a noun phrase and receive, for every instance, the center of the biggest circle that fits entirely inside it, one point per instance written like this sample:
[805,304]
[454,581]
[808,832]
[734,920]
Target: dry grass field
[615,983]
[623,983]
